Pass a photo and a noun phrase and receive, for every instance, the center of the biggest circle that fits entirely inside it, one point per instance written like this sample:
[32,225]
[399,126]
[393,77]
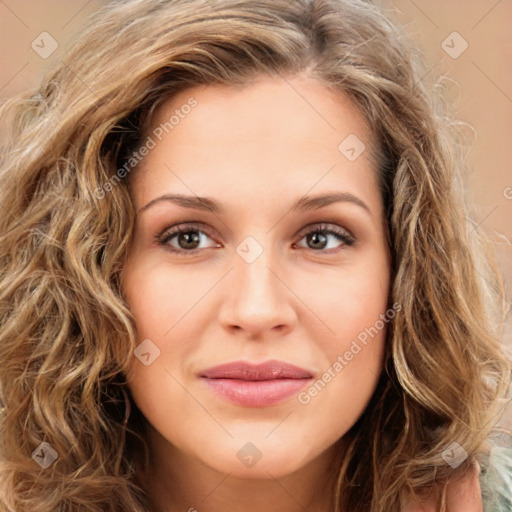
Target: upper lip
[269,370]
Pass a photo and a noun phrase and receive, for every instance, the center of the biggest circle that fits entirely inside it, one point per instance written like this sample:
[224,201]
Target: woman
[333,346]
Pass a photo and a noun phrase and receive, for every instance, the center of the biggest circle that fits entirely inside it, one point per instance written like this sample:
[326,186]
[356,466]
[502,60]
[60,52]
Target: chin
[251,457]
[269,465]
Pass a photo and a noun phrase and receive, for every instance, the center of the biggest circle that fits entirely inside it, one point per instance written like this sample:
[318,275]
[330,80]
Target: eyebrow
[305,203]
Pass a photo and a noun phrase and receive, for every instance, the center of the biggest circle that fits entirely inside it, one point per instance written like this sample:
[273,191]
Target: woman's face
[265,271]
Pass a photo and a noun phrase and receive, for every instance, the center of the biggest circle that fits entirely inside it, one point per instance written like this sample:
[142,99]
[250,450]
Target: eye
[187,238]
[317,239]
[184,239]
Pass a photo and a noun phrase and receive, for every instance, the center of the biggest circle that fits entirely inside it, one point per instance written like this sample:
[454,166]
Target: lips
[255,385]
[266,371]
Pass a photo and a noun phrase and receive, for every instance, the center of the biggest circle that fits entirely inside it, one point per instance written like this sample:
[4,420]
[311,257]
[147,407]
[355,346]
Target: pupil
[189,237]
[318,238]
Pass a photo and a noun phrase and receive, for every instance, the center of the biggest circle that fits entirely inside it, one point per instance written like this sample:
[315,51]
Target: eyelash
[328,229]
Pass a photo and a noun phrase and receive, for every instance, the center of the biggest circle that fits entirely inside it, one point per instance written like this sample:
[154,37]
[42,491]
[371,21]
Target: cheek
[353,304]
[167,307]
[159,296]
[353,362]
[155,307]
[348,300]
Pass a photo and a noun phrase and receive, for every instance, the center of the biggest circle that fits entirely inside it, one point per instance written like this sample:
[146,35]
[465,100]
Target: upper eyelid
[193,225]
[324,225]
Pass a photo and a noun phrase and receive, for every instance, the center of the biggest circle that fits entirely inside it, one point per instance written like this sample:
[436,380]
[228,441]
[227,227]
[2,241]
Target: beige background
[482,73]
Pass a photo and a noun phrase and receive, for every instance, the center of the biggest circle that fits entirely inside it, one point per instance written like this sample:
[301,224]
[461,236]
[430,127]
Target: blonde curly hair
[66,333]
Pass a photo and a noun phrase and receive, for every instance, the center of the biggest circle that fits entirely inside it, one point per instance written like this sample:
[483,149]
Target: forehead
[271,136]
[262,108]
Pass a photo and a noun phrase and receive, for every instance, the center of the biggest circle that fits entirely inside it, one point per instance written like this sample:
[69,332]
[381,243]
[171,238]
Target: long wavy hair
[67,336]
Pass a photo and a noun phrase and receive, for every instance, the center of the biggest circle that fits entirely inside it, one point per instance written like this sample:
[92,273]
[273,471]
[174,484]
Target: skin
[255,151]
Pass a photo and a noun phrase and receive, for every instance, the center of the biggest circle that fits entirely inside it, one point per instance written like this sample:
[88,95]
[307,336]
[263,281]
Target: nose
[258,299]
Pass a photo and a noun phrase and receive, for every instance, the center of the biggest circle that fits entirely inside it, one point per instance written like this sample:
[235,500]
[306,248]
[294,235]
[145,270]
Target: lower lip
[261,393]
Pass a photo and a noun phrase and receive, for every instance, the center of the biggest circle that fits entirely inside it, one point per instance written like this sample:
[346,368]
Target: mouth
[261,385]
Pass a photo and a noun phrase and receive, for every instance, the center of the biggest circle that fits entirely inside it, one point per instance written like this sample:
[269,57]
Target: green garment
[496,475]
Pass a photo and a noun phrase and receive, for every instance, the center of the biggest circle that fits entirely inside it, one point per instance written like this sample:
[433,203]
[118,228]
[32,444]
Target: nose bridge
[255,281]
[257,298]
